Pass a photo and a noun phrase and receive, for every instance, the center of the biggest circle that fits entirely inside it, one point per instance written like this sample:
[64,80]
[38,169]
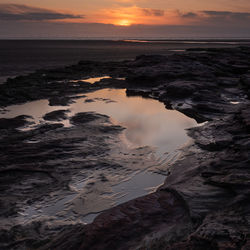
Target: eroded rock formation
[204,202]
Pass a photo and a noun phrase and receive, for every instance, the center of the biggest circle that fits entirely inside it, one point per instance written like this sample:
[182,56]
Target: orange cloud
[126,16]
[129,15]
[122,15]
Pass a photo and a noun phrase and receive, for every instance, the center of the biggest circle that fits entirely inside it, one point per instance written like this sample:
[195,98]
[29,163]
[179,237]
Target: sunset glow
[80,17]
[124,22]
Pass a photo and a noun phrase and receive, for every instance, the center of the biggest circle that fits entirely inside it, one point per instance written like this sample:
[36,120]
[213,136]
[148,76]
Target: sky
[124,18]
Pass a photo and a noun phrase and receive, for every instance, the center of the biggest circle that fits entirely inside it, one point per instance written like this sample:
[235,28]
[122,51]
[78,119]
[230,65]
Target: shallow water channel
[150,129]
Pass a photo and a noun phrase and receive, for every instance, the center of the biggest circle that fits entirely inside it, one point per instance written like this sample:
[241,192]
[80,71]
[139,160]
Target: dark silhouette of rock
[13,123]
[56,115]
[85,117]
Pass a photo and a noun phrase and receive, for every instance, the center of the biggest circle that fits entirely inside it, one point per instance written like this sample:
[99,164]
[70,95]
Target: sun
[124,22]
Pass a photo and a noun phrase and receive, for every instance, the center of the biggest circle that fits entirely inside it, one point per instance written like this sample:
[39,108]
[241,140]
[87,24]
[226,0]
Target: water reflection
[91,80]
[147,121]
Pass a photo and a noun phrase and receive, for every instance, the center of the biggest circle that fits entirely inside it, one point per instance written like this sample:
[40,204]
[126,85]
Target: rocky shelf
[204,202]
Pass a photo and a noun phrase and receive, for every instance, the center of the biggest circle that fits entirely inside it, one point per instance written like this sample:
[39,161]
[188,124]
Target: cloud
[227,15]
[188,15]
[211,17]
[152,12]
[19,12]
[215,15]
[128,16]
[125,16]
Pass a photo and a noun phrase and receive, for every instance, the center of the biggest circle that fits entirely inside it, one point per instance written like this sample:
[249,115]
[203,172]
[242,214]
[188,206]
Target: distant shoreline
[23,56]
[125,39]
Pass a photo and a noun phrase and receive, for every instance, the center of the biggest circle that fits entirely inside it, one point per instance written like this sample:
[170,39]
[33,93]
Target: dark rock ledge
[205,201]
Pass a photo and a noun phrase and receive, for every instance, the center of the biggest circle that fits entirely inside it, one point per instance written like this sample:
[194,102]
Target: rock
[138,92]
[86,117]
[245,81]
[181,89]
[140,219]
[60,101]
[145,60]
[57,115]
[228,81]
[204,201]
[206,139]
[13,123]
[245,116]
[221,230]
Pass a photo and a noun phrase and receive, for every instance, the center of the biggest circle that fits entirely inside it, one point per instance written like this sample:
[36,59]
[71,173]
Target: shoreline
[131,38]
[25,56]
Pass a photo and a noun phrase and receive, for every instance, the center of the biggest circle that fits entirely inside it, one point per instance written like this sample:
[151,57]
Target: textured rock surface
[130,221]
[204,202]
[56,115]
